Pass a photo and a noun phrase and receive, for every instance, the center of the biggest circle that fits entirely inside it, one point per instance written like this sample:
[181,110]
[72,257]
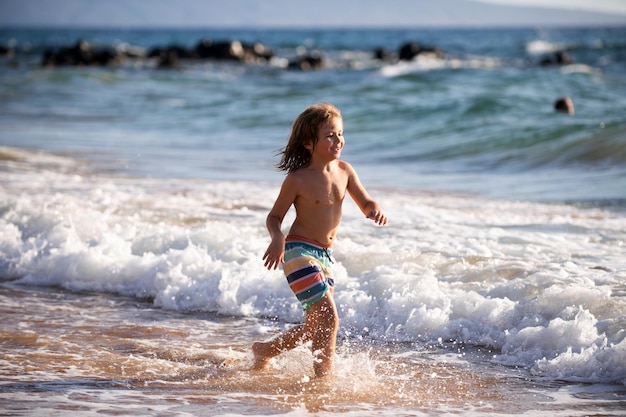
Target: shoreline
[162,360]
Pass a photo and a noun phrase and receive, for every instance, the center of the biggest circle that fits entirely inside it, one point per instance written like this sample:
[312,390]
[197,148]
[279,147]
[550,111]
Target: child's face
[330,139]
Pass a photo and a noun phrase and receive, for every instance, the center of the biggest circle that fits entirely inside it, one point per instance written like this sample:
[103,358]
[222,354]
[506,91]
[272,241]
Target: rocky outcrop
[410,50]
[84,54]
[558,58]
[307,62]
[81,54]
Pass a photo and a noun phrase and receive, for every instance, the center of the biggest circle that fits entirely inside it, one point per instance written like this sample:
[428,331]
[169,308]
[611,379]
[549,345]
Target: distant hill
[290,13]
[408,13]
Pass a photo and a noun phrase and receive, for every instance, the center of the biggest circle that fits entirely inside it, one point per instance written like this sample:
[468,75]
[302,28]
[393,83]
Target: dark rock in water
[84,54]
[81,54]
[260,51]
[168,60]
[559,58]
[6,51]
[180,52]
[307,62]
[383,55]
[223,50]
[232,51]
[410,50]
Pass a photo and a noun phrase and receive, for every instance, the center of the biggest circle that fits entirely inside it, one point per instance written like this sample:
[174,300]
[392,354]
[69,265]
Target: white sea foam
[539,47]
[425,63]
[580,69]
[540,284]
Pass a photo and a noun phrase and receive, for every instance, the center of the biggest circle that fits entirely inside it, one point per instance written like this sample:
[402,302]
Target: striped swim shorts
[307,268]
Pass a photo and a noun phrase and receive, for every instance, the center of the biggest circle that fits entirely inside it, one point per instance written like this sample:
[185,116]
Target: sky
[609,6]
[312,13]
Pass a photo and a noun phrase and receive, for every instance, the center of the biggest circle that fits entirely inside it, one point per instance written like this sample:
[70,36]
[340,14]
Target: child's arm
[368,206]
[274,255]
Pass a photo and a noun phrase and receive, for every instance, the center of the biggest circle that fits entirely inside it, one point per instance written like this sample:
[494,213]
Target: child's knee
[329,315]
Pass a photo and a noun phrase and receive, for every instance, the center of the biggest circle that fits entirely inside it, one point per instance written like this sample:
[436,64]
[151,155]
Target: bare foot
[260,360]
[324,369]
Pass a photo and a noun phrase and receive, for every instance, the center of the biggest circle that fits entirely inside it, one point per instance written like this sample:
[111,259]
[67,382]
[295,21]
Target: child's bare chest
[325,192]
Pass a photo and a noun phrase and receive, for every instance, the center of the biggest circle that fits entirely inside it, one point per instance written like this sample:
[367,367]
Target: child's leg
[325,336]
[320,326]
[264,351]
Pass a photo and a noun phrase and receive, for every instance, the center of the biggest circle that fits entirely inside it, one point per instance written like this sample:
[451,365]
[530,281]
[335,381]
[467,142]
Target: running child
[316,184]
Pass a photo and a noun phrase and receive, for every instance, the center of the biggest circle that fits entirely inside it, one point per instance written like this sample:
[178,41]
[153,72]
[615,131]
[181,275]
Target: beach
[153,362]
[132,227]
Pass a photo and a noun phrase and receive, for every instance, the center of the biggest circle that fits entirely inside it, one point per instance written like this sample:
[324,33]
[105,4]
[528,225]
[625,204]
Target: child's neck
[321,165]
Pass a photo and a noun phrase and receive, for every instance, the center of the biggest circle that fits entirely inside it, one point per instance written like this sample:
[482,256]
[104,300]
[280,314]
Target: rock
[383,55]
[180,52]
[410,50]
[559,58]
[6,51]
[168,60]
[232,51]
[81,54]
[307,62]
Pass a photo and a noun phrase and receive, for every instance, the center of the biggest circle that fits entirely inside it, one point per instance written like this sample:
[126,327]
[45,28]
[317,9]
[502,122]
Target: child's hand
[378,216]
[274,255]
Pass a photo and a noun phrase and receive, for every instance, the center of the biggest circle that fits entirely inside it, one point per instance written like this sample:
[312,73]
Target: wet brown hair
[304,130]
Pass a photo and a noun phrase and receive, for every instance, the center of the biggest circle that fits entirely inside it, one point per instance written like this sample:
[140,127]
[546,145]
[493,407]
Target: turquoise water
[479,120]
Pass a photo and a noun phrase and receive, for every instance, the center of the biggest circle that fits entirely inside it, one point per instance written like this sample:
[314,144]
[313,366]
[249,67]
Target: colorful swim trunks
[307,268]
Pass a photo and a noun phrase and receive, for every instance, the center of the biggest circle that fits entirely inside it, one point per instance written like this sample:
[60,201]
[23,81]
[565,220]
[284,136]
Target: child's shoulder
[307,172]
[345,167]
[343,164]
[297,177]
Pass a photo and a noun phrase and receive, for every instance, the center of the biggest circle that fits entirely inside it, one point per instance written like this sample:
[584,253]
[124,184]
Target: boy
[316,185]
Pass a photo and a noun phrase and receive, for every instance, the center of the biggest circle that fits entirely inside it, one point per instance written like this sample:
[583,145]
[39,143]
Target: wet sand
[92,354]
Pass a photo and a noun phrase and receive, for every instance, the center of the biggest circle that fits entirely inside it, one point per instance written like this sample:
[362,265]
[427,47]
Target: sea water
[133,203]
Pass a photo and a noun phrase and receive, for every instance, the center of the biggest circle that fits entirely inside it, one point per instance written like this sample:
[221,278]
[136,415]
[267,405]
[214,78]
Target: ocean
[132,224]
